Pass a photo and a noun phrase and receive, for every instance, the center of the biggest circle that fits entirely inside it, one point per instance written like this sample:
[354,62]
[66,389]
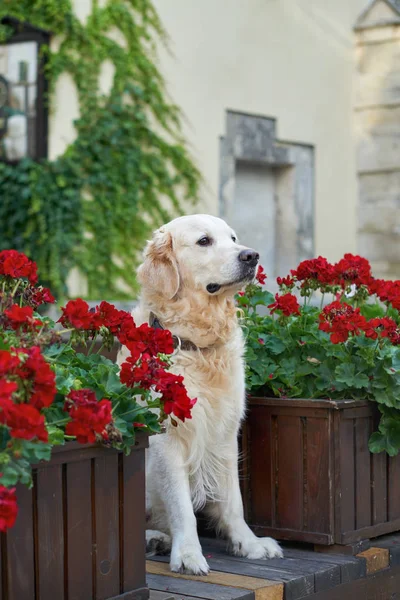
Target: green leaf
[377,442]
[345,373]
[56,435]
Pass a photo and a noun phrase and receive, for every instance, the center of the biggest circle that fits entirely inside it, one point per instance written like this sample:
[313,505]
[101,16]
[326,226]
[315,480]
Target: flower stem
[15,288]
[92,345]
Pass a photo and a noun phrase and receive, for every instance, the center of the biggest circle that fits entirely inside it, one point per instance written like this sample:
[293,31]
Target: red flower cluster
[16,264]
[288,282]
[384,327]
[77,314]
[318,269]
[352,269]
[261,276]
[145,340]
[151,373]
[22,318]
[387,291]
[41,296]
[287,304]
[8,507]
[37,370]
[340,320]
[23,420]
[116,320]
[88,416]
[142,368]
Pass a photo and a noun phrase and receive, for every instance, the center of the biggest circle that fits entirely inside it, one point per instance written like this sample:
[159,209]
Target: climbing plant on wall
[94,206]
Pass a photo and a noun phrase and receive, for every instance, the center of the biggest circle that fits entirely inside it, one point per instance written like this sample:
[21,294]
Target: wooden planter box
[309,476]
[80,532]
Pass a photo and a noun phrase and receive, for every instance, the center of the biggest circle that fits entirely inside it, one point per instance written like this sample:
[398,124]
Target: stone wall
[377,120]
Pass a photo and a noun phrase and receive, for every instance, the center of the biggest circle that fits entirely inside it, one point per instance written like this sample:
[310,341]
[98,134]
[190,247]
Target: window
[23,86]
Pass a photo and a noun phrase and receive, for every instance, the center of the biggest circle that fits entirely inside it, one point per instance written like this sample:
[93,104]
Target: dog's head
[197,252]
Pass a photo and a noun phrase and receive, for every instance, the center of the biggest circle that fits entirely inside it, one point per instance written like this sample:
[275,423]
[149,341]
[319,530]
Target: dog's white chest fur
[215,378]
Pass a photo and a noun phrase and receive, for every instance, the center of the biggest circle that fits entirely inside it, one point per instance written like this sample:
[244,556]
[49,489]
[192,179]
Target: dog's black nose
[249,256]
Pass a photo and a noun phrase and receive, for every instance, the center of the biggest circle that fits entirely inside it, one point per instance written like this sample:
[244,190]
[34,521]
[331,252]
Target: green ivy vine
[94,206]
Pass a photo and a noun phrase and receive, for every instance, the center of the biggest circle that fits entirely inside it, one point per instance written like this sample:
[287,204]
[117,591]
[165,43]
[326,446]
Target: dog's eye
[233,238]
[204,241]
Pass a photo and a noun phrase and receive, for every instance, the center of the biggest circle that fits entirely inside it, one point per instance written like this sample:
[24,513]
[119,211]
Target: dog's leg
[170,475]
[157,542]
[229,518]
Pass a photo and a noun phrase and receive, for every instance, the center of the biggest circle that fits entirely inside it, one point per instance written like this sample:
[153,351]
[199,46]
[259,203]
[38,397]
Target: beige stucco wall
[289,59]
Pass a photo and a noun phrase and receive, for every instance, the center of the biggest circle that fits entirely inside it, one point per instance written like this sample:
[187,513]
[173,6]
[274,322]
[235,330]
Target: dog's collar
[179,344]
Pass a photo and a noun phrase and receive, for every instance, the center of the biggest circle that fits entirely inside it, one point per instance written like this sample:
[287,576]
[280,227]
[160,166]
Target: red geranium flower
[22,317]
[24,421]
[318,269]
[8,508]
[340,320]
[287,282]
[37,370]
[261,276]
[150,373]
[78,314]
[88,415]
[387,291]
[16,264]
[146,340]
[382,327]
[8,362]
[115,320]
[41,296]
[7,388]
[352,269]
[287,303]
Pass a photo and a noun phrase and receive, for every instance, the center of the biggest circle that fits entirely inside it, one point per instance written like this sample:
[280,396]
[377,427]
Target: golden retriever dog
[192,268]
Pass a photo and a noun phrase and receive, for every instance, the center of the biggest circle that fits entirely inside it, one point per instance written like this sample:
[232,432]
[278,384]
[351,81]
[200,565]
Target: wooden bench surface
[301,574]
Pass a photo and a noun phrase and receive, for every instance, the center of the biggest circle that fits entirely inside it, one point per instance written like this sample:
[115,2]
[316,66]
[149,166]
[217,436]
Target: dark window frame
[25,32]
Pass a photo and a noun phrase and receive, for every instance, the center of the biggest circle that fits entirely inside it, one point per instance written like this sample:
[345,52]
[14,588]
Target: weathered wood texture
[300,574]
[80,532]
[308,474]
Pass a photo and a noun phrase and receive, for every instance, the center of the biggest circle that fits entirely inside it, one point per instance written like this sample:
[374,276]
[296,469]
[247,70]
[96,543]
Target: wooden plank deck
[302,574]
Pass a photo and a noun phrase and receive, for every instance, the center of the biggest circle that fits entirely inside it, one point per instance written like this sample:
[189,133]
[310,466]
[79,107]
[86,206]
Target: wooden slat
[363,473]
[313,537]
[133,524]
[384,585]
[154,595]
[391,543]
[346,476]
[260,439]
[394,488]
[305,403]
[377,559]
[299,582]
[350,568]
[20,550]
[325,575]
[379,488]
[289,467]
[370,532]
[107,526]
[79,530]
[50,534]
[198,590]
[263,589]
[318,484]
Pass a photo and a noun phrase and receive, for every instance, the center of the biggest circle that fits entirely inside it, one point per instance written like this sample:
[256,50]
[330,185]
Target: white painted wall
[289,59]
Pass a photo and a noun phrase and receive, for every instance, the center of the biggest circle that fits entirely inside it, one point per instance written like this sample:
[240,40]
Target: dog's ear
[159,270]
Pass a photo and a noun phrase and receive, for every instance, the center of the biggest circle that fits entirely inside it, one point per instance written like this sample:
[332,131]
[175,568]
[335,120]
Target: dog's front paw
[189,560]
[256,548]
